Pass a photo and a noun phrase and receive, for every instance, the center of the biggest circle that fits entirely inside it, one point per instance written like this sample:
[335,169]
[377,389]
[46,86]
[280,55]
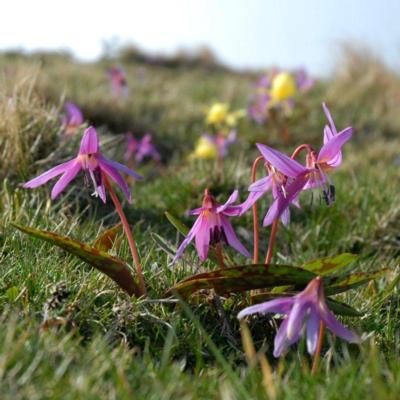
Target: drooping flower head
[72,119]
[119,84]
[296,177]
[212,227]
[91,161]
[141,149]
[303,312]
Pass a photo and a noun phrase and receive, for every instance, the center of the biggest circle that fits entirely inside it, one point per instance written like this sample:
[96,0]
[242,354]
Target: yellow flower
[217,113]
[205,149]
[283,86]
[233,117]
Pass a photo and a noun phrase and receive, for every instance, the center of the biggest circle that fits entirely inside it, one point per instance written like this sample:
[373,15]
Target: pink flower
[91,161]
[212,226]
[72,119]
[119,85]
[141,148]
[306,309]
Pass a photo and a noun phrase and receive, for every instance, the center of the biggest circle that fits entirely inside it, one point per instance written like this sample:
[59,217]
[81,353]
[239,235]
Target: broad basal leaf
[181,227]
[113,267]
[329,265]
[242,278]
[107,238]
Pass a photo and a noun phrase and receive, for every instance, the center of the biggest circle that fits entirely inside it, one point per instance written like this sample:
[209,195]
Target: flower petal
[74,114]
[281,305]
[90,142]
[203,238]
[65,179]
[330,150]
[231,237]
[312,331]
[249,202]
[262,185]
[334,325]
[50,174]
[232,198]
[296,317]
[282,341]
[281,161]
[120,167]
[195,228]
[329,118]
[116,177]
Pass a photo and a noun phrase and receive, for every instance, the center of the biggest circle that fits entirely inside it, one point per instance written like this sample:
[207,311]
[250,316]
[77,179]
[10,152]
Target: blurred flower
[233,117]
[304,310]
[91,161]
[72,119]
[119,85]
[212,227]
[205,149]
[277,89]
[217,113]
[141,149]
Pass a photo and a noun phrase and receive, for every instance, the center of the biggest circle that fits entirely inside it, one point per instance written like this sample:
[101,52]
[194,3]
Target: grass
[99,343]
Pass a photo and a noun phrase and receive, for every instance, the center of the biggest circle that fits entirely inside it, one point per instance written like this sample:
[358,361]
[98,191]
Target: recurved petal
[262,185]
[120,167]
[65,179]
[231,237]
[330,150]
[335,326]
[251,199]
[312,331]
[280,305]
[90,142]
[116,177]
[192,233]
[281,162]
[329,118]
[232,198]
[50,174]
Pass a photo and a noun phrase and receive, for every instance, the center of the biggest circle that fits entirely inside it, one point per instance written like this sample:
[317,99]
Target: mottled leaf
[242,278]
[113,267]
[342,284]
[181,227]
[329,265]
[107,238]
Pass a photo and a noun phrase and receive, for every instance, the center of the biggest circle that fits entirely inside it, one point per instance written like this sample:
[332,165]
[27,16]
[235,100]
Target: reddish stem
[255,213]
[317,354]
[128,233]
[300,148]
[220,255]
[271,241]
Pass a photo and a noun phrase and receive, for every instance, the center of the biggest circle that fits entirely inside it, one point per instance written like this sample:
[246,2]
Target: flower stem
[315,363]
[271,242]
[300,148]
[128,233]
[220,255]
[255,214]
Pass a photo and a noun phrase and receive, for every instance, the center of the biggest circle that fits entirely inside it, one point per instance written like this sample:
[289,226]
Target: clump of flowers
[140,149]
[213,146]
[72,119]
[277,91]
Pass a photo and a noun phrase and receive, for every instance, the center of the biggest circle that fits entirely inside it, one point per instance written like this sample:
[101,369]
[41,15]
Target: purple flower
[303,80]
[306,309]
[119,85]
[212,226]
[141,148]
[72,119]
[91,161]
[222,142]
[300,178]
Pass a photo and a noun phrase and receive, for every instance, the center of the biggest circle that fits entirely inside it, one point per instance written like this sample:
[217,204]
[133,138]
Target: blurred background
[240,33]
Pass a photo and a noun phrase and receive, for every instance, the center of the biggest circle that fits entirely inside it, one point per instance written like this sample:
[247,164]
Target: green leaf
[329,265]
[113,267]
[163,244]
[107,238]
[342,284]
[181,227]
[243,277]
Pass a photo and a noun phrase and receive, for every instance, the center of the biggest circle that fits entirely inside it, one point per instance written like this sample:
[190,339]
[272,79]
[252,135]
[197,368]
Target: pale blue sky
[243,33]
